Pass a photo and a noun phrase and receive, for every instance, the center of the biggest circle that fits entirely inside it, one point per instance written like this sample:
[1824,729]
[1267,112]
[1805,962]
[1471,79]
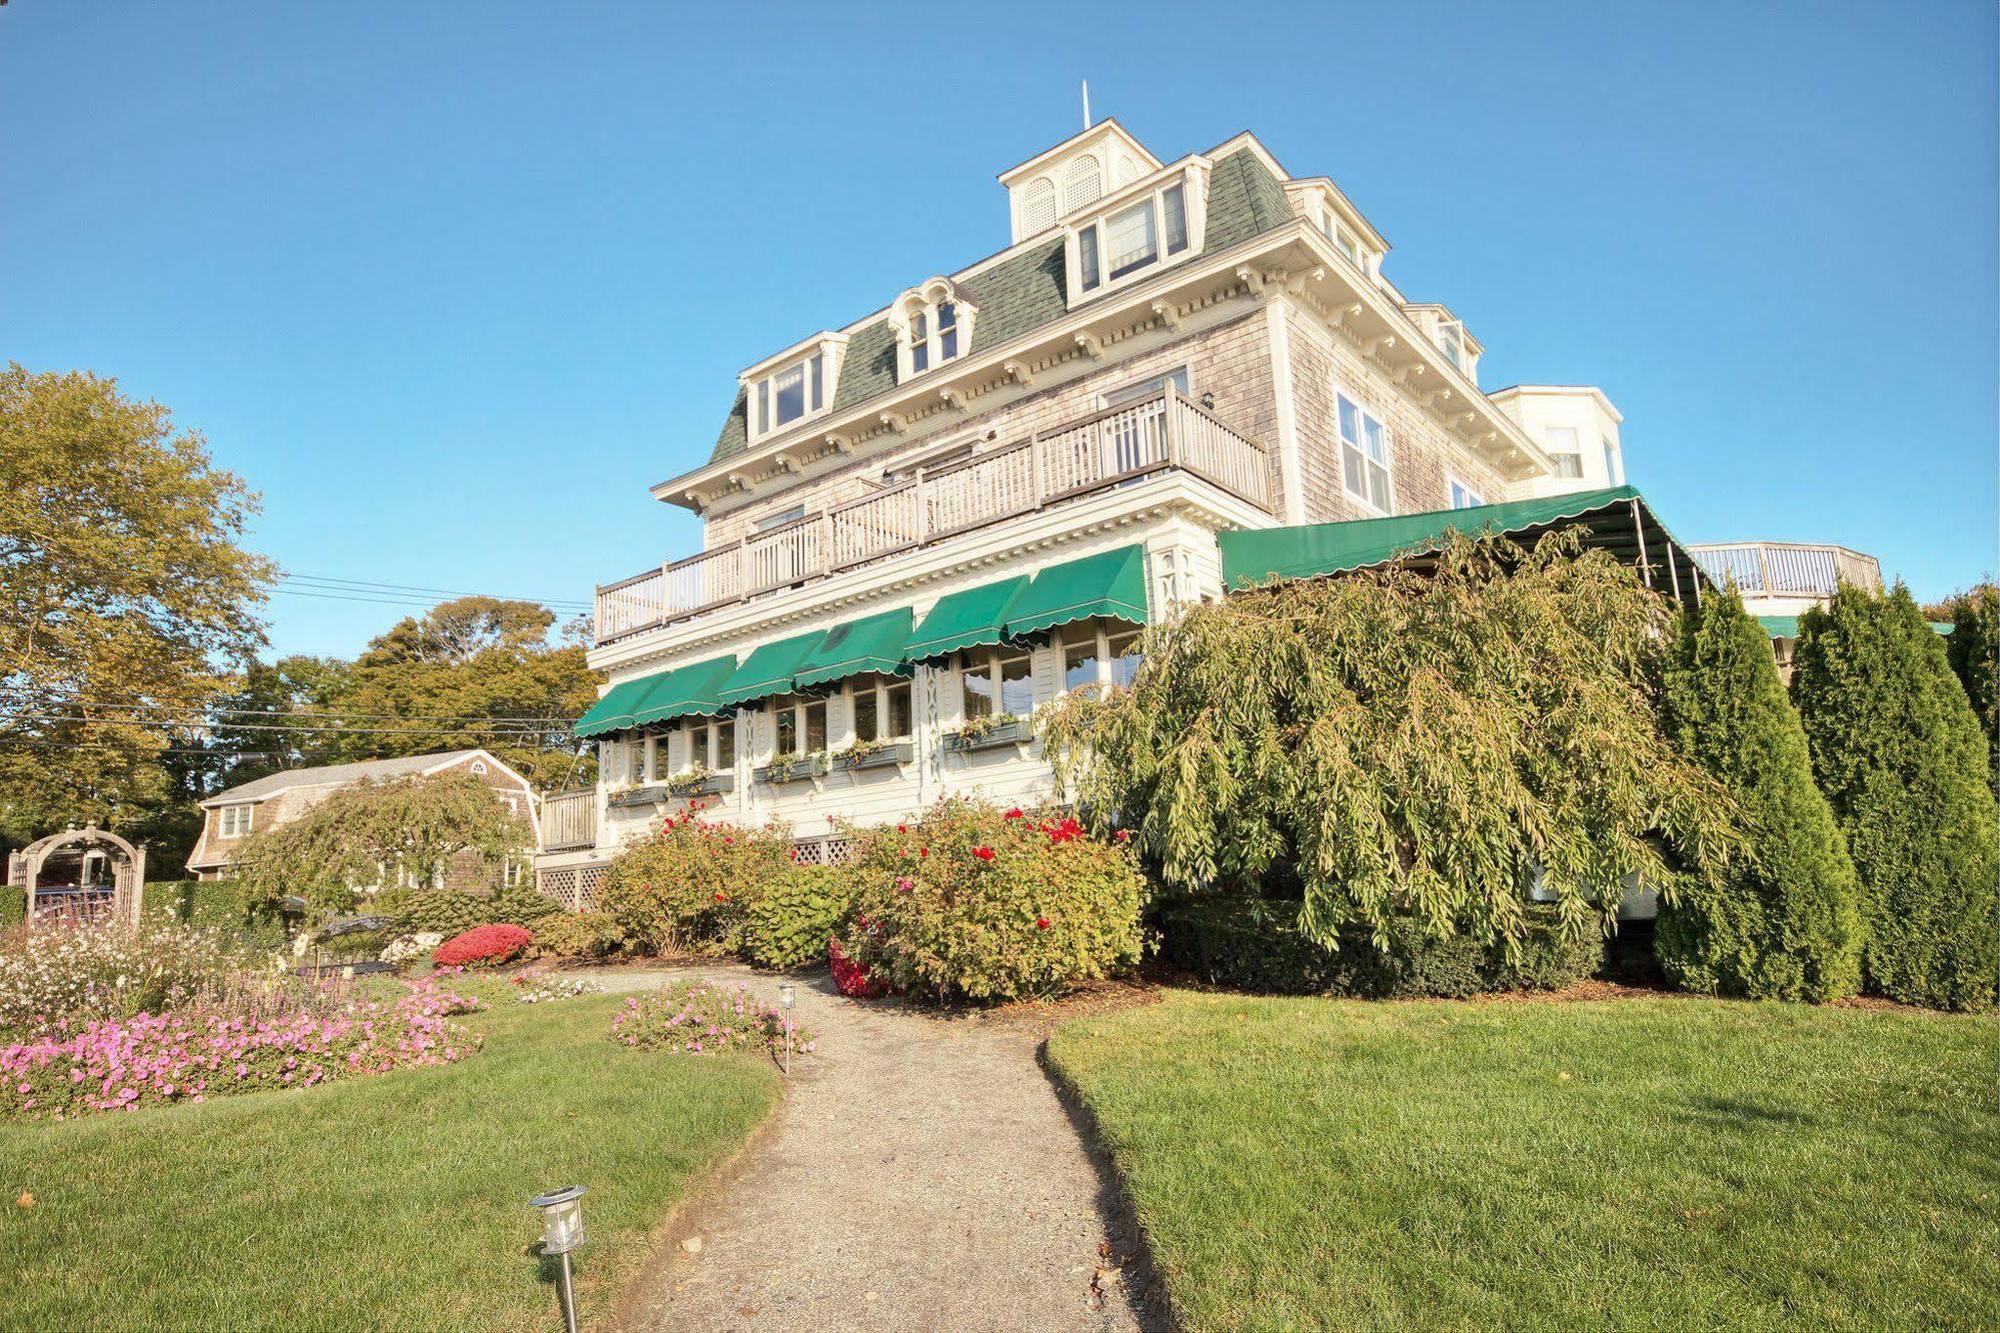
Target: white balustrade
[1788,568]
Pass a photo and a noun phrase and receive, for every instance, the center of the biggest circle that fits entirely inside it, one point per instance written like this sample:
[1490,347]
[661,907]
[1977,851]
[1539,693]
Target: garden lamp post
[787,997]
[562,1231]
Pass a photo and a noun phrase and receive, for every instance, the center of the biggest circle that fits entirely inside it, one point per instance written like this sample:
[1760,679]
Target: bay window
[1563,448]
[1364,453]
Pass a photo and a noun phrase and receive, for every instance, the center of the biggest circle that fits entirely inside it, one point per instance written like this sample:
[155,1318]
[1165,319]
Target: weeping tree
[1784,924]
[1898,751]
[362,835]
[1399,745]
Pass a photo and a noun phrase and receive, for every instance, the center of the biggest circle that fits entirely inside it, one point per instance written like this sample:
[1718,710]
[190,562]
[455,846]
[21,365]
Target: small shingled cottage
[279,798]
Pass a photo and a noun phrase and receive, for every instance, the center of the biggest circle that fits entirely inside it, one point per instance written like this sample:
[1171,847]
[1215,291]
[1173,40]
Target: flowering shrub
[108,971]
[978,903]
[409,948]
[789,925]
[703,1018]
[211,1049]
[546,990]
[482,944]
[849,977]
[687,886]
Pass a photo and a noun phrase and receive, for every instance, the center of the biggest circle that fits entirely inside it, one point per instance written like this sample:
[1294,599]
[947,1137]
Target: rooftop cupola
[1074,174]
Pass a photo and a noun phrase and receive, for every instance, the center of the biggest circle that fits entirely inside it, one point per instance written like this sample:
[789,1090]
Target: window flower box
[638,796]
[800,768]
[882,756]
[1013,731]
[703,784]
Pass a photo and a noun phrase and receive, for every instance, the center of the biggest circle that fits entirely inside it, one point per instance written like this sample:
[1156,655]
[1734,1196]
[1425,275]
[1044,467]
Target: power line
[331,584]
[205,725]
[132,703]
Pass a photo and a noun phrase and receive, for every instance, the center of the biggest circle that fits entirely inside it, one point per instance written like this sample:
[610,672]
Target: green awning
[873,643]
[617,709]
[1616,519]
[965,619]
[1780,627]
[687,692]
[768,670]
[1110,583]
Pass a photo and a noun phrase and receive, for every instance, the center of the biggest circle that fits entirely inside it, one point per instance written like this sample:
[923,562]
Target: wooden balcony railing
[1166,432]
[569,821]
[1788,569]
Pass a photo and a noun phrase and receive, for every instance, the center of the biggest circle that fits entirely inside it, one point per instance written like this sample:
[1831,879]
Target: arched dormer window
[1083,183]
[933,325]
[1038,206]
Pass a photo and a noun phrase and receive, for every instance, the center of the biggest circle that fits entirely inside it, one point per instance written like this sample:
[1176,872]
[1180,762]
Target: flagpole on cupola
[1086,103]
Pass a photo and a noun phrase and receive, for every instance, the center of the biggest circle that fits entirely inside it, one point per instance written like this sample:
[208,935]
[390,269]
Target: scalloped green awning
[616,709]
[968,618]
[872,643]
[769,669]
[1110,583]
[691,691]
[1616,519]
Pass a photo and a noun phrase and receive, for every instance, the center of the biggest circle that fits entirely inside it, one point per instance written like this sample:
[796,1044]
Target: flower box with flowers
[796,768]
[875,754]
[701,782]
[990,733]
[652,795]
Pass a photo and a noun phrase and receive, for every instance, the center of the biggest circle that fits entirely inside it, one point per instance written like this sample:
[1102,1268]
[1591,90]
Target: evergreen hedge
[1897,750]
[1973,648]
[1782,921]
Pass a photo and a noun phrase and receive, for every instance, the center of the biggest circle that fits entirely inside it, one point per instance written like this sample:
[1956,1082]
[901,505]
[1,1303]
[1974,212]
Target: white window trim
[880,687]
[1452,480]
[1340,446]
[235,821]
[1193,180]
[1185,371]
[701,745]
[798,708]
[1099,633]
[988,665]
[829,347]
[925,300]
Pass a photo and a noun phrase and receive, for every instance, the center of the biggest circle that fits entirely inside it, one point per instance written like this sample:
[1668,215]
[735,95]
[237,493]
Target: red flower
[1123,835]
[983,853]
[1015,813]
[923,852]
[1064,831]
[482,944]
[902,828]
[721,897]
[1041,923]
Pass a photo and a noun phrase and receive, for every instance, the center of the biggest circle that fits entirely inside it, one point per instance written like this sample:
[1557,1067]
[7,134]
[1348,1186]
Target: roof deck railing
[1787,569]
[1166,432]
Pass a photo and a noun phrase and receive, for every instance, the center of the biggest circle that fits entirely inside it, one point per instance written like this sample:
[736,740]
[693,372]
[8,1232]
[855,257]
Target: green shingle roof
[1025,292]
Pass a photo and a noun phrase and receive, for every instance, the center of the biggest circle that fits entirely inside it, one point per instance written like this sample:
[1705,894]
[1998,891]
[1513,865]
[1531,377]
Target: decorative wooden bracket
[1381,344]
[1411,371]
[892,421]
[1168,313]
[1018,372]
[1341,316]
[1297,283]
[1250,278]
[1090,345]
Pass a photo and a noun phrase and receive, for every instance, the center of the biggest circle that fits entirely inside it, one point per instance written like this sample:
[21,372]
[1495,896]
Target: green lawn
[392,1202]
[1637,1163]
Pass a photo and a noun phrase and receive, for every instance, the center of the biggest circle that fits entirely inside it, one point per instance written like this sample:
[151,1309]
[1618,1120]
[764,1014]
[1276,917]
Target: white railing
[569,821]
[1167,431]
[1787,569]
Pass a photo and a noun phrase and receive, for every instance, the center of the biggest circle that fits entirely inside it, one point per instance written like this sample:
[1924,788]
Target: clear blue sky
[452,284]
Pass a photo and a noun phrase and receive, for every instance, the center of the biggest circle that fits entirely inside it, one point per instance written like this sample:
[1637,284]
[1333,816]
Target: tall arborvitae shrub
[1897,751]
[1973,648]
[1782,922]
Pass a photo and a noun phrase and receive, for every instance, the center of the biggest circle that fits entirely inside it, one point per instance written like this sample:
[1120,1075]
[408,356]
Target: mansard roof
[1024,291]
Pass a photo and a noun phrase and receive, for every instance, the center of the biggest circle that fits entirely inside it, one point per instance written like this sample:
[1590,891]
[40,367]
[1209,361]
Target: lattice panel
[835,851]
[575,887]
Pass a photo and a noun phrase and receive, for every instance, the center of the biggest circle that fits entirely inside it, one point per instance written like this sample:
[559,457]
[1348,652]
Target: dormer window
[1451,341]
[792,386]
[933,325]
[1127,241]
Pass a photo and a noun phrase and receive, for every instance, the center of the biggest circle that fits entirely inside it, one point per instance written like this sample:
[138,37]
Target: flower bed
[108,971]
[532,989]
[121,1064]
[483,944]
[703,1018]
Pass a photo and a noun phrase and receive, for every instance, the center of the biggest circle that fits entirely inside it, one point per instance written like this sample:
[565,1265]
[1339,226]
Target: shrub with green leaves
[217,904]
[686,887]
[1401,743]
[1783,922]
[1973,648]
[1898,752]
[579,935]
[1255,945]
[519,906]
[790,924]
[972,902]
[445,912]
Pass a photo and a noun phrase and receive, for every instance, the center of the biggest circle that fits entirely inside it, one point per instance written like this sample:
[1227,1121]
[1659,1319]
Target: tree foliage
[1973,648]
[361,834]
[1408,746]
[122,583]
[1897,750]
[1784,923]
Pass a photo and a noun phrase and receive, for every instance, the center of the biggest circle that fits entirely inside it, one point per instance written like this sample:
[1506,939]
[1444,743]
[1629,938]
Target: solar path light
[562,1232]
[787,997]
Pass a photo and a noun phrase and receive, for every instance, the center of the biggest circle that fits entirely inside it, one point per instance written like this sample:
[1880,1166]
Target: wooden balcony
[1168,432]
[1787,569]
[569,821]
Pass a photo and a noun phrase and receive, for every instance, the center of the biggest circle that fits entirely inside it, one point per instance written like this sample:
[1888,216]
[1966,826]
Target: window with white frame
[1364,453]
[1145,388]
[1097,654]
[637,751]
[881,709]
[996,682]
[798,726]
[1462,495]
[1125,243]
[1343,239]
[793,390]
[779,519]
[233,821]
[708,743]
[933,325]
[1564,449]
[1614,471]
[1451,341]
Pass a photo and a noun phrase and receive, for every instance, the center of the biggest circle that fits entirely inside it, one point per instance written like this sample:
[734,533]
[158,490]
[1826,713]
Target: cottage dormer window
[1125,242]
[933,325]
[792,386]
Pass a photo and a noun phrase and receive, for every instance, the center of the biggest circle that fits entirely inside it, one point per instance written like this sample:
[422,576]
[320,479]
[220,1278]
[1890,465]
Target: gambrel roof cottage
[925,525]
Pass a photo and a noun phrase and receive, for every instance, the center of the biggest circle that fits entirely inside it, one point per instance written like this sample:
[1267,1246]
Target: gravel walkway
[920,1174]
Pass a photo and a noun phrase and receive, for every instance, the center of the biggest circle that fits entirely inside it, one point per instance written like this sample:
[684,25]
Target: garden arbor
[81,872]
